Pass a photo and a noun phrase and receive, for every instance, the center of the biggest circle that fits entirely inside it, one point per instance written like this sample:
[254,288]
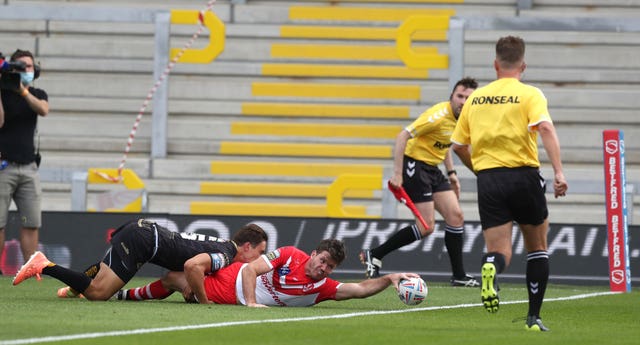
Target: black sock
[76,280]
[497,259]
[453,238]
[90,272]
[401,238]
[537,278]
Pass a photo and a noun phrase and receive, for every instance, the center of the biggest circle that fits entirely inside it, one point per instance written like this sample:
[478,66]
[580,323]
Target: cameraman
[19,179]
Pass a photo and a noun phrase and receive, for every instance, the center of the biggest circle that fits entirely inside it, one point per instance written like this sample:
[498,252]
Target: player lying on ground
[286,276]
[136,243]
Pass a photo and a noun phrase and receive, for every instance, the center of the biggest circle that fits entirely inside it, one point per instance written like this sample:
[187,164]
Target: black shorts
[131,247]
[421,180]
[136,243]
[511,194]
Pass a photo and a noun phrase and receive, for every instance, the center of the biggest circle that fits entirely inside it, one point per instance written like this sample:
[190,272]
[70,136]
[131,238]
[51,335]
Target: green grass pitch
[31,313]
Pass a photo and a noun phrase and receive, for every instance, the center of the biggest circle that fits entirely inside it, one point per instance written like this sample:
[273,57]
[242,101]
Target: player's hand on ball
[412,291]
[397,277]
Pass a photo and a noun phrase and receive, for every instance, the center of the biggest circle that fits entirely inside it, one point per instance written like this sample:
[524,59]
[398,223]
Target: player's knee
[426,232]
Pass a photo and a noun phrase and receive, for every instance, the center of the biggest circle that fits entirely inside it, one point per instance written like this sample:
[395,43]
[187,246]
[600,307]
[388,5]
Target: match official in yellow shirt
[496,137]
[419,149]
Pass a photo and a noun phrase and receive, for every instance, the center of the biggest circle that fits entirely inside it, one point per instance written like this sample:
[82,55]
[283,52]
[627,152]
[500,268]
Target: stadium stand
[314,84]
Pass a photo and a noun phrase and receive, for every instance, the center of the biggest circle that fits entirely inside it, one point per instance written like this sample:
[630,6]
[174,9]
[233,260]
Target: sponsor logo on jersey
[441,146]
[273,255]
[495,100]
[283,271]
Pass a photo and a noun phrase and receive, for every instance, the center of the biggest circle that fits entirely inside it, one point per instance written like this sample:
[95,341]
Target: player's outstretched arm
[370,287]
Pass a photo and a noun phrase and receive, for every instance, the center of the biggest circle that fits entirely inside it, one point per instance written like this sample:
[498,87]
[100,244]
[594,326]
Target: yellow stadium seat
[359,91]
[325,110]
[270,209]
[291,168]
[316,129]
[304,150]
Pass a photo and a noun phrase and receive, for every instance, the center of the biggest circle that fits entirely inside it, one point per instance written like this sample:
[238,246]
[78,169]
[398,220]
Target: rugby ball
[412,291]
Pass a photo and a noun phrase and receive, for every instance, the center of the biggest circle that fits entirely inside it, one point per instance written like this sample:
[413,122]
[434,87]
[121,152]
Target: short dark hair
[251,233]
[467,82]
[510,51]
[21,53]
[335,248]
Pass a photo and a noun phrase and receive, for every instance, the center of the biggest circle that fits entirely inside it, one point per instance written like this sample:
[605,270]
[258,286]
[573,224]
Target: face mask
[26,77]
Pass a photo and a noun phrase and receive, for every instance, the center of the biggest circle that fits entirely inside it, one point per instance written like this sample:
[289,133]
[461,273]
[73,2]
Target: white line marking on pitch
[252,322]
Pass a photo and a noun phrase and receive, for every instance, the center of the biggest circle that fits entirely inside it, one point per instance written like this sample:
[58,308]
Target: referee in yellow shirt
[419,149]
[496,137]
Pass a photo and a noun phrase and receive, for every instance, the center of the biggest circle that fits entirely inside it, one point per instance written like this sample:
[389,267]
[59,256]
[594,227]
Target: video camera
[10,73]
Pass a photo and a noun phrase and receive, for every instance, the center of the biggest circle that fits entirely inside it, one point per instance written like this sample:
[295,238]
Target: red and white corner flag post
[616,201]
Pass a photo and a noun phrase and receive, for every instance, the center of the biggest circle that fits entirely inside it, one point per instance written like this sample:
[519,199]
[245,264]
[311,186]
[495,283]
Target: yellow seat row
[367,14]
[291,168]
[322,90]
[316,129]
[271,189]
[268,209]
[353,52]
[257,148]
[325,110]
[342,71]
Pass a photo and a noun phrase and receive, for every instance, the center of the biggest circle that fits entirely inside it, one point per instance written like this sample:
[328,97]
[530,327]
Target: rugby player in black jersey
[138,242]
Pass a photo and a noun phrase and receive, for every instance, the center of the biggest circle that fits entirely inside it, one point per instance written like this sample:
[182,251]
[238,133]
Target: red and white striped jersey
[285,285]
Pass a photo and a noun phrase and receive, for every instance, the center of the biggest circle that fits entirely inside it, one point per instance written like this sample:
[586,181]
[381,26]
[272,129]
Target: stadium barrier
[77,239]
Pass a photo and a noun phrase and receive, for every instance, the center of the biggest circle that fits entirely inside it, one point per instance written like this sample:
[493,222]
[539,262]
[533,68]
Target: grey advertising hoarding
[578,252]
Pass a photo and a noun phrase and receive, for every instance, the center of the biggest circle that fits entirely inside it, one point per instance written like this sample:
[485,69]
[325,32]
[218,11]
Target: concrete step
[272,89]
[301,112]
[253,57]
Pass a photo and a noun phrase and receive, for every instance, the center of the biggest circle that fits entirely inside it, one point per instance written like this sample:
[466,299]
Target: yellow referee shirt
[431,134]
[500,122]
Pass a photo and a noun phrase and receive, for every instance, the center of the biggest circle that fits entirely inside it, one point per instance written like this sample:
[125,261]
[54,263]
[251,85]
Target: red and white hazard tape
[153,90]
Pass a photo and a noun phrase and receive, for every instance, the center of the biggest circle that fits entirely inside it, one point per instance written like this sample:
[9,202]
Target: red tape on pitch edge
[153,90]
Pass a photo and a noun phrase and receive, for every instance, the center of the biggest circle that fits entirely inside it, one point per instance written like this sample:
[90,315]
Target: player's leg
[495,188]
[498,242]
[159,289]
[38,264]
[535,241]
[131,247]
[372,258]
[408,234]
[531,214]
[104,285]
[418,186]
[68,292]
[446,203]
